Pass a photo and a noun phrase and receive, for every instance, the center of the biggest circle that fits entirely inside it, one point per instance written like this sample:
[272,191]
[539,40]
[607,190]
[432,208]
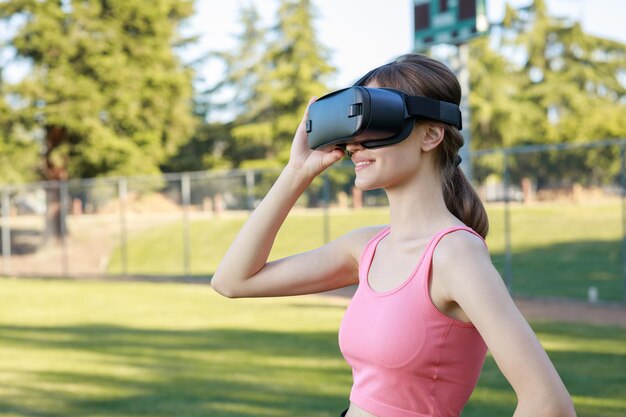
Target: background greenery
[108,94]
[76,348]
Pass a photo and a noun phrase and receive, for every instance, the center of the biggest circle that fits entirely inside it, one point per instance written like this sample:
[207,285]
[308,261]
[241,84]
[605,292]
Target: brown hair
[423,76]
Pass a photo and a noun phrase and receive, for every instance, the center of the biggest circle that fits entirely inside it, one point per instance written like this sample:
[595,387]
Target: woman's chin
[365,185]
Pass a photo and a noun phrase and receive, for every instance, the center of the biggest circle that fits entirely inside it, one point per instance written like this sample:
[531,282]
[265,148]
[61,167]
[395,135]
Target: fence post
[250,189]
[185,187]
[64,197]
[6,233]
[508,255]
[463,73]
[122,188]
[623,195]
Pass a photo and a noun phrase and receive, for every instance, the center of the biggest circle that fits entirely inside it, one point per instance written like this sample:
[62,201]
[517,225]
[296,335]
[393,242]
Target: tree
[292,68]
[106,91]
[209,148]
[18,152]
[243,67]
[296,68]
[572,77]
[563,87]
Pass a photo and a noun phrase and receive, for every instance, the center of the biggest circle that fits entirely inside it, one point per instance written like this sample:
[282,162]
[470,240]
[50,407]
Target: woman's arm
[463,268]
[244,270]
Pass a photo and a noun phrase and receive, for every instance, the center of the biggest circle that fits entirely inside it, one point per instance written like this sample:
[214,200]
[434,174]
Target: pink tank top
[408,359]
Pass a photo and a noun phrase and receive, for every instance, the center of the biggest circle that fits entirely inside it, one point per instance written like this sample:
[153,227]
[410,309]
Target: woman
[430,302]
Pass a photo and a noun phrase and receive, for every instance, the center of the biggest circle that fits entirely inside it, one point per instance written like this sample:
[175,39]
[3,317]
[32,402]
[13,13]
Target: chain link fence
[557,220]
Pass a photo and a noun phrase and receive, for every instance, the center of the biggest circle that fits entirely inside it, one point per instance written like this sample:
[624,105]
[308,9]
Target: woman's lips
[361,164]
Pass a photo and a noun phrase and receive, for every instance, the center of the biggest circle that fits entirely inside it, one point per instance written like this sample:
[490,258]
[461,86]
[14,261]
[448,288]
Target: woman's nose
[353,147]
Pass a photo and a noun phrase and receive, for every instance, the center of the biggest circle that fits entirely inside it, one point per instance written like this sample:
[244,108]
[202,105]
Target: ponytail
[462,201]
[459,195]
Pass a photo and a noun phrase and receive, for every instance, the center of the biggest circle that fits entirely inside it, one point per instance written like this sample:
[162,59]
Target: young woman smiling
[429,301]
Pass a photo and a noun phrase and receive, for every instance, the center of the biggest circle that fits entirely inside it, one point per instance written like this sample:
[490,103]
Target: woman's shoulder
[461,262]
[461,245]
[358,238]
[362,235]
[462,240]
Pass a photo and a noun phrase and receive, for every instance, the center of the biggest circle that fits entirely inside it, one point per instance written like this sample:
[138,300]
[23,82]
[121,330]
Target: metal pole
[623,190]
[326,197]
[122,195]
[6,234]
[250,189]
[508,255]
[464,80]
[64,197]
[186,197]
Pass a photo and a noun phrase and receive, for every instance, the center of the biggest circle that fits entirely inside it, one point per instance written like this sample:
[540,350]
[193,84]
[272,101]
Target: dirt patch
[573,311]
[87,249]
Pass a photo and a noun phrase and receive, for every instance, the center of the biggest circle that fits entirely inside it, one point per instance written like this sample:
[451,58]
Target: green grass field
[79,348]
[559,249]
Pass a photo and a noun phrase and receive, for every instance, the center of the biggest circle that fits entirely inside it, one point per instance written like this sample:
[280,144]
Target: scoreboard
[448,21]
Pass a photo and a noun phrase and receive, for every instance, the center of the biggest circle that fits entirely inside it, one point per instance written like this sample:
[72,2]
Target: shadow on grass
[589,359]
[567,269]
[564,270]
[119,371]
[109,370]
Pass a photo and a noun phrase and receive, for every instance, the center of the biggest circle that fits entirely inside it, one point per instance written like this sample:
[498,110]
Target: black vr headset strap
[420,107]
[429,108]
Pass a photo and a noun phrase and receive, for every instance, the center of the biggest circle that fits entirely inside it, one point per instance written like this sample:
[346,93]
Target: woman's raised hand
[305,160]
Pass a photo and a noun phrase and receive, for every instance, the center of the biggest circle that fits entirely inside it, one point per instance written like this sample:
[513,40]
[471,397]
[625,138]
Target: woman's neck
[417,209]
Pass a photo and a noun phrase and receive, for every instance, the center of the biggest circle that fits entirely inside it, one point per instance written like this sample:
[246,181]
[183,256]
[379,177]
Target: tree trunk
[55,217]
[55,170]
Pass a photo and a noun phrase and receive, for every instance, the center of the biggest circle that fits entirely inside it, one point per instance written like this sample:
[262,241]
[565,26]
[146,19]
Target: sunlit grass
[559,249]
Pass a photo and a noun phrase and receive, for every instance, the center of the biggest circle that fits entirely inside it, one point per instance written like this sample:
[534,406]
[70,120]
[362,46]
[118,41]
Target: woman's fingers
[305,116]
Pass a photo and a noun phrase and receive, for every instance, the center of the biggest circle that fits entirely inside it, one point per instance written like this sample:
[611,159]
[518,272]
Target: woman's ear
[433,135]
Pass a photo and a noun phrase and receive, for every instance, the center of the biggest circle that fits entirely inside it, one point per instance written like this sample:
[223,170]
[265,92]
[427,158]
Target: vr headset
[373,117]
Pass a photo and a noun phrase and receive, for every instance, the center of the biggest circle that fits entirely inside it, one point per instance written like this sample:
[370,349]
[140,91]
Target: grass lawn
[78,348]
[559,249]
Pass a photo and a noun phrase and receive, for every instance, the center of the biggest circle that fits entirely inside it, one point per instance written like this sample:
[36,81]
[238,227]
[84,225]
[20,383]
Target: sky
[363,34]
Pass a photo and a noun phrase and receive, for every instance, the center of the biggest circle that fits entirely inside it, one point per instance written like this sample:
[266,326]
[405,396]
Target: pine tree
[106,91]
[493,103]
[292,69]
[566,89]
[242,85]
[106,88]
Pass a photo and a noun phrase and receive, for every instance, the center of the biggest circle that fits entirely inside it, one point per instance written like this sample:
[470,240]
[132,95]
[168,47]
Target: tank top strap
[435,240]
[368,253]
[426,264]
